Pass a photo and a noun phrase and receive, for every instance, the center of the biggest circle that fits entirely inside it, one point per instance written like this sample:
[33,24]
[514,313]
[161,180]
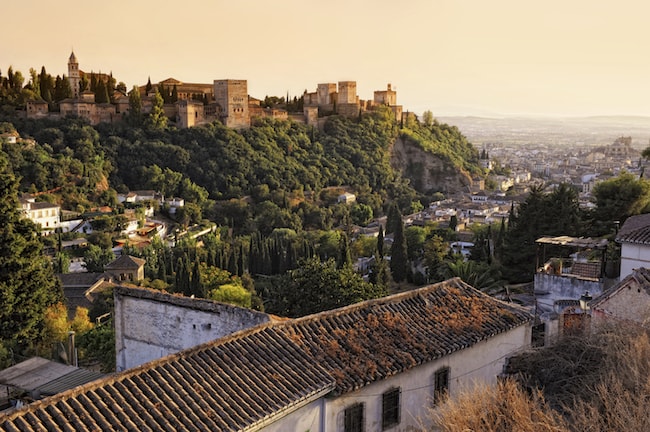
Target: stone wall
[151,324]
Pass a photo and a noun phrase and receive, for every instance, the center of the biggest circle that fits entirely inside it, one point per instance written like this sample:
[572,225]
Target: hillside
[372,156]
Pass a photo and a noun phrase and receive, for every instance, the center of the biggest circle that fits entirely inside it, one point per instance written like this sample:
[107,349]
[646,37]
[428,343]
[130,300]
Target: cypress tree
[393,219]
[398,254]
[380,243]
[240,261]
[344,258]
[196,289]
[180,276]
[101,94]
[135,107]
[93,82]
[148,86]
[232,263]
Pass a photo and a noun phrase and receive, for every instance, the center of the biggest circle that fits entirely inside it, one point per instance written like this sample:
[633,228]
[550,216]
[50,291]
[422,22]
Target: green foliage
[435,251]
[415,239]
[61,262]
[99,344]
[135,106]
[445,142]
[480,275]
[156,120]
[399,263]
[541,214]
[316,286]
[233,294]
[27,282]
[618,198]
[95,258]
[361,214]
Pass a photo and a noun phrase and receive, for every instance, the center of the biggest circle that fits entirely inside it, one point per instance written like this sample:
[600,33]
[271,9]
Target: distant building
[232,97]
[189,113]
[346,198]
[126,268]
[327,100]
[226,100]
[43,214]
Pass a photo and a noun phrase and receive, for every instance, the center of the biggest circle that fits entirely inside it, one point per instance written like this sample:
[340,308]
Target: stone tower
[232,97]
[73,75]
[347,92]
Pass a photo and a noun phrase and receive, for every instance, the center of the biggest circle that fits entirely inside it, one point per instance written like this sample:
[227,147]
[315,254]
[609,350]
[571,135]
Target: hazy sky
[566,57]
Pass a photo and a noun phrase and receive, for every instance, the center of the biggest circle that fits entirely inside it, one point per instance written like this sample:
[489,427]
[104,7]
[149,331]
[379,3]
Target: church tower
[73,75]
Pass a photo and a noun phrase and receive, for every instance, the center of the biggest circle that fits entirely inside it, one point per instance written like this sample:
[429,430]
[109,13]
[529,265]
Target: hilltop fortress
[226,100]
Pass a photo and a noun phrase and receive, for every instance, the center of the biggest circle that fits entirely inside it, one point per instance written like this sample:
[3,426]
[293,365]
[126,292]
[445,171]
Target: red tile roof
[636,229]
[125,262]
[242,380]
[372,340]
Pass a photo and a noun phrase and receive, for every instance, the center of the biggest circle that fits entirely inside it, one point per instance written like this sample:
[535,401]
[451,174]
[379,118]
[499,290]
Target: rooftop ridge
[135,371]
[179,299]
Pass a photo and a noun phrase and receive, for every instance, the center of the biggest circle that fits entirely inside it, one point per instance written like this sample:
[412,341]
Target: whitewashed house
[372,366]
[634,237]
[43,214]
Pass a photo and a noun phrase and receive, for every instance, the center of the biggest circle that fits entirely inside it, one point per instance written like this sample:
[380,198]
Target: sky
[452,57]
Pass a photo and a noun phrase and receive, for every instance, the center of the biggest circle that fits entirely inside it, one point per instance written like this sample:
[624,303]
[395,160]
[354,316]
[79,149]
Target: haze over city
[469,57]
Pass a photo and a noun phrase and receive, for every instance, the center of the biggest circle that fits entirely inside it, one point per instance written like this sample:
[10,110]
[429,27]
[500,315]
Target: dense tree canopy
[618,198]
[27,282]
[540,214]
[316,286]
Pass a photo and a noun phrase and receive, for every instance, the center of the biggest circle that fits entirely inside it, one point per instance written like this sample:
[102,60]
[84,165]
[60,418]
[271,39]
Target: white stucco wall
[306,419]
[633,256]
[565,286]
[148,329]
[481,363]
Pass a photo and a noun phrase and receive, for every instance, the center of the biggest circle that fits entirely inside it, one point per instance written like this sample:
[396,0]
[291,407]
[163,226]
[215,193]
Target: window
[440,385]
[354,418]
[390,408]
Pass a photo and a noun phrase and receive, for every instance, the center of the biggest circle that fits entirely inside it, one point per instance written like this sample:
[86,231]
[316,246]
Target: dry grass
[506,408]
[596,383]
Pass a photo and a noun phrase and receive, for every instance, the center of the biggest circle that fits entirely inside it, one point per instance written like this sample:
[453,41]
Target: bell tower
[73,75]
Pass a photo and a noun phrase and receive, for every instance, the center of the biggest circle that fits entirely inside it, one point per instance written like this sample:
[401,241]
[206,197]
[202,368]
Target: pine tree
[27,282]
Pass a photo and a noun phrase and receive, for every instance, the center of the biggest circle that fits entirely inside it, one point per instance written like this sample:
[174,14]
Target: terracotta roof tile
[636,229]
[240,381]
[126,262]
[372,340]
